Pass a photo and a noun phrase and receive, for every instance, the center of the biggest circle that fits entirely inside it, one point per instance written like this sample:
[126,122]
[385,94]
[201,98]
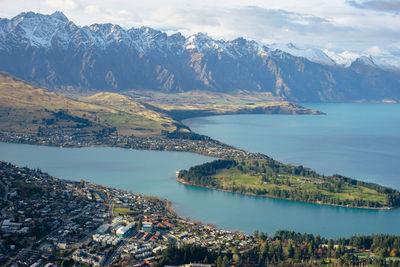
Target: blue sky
[359,26]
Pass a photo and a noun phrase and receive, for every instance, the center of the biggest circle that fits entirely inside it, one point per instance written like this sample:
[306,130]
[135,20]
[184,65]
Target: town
[47,221]
[75,137]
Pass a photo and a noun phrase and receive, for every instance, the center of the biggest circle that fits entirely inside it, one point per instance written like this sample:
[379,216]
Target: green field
[205,103]
[121,211]
[228,178]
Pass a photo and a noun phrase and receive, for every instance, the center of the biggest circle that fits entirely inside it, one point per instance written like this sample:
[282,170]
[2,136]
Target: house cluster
[310,181]
[141,250]
[85,257]
[209,147]
[76,137]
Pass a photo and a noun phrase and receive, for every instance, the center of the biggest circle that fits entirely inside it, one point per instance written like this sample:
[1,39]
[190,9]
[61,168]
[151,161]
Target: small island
[270,178]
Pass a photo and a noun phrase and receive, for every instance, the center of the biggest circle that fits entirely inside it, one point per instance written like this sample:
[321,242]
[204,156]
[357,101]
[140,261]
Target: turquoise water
[357,140]
[285,137]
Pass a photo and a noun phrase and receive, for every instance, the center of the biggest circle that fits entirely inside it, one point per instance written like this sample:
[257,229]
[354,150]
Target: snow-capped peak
[312,54]
[32,28]
[346,58]
[292,46]
[235,48]
[59,15]
[202,43]
[366,60]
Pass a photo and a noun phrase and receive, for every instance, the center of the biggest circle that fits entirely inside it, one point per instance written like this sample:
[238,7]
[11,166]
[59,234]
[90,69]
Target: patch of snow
[312,54]
[344,58]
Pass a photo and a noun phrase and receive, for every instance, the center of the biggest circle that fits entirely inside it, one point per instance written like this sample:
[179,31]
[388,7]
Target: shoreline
[248,155]
[275,197]
[207,147]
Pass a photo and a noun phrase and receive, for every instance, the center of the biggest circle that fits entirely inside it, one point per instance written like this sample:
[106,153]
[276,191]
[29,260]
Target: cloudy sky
[361,26]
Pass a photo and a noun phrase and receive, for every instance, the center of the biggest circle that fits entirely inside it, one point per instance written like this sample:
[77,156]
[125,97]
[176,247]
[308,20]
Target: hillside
[139,116]
[54,53]
[205,103]
[25,108]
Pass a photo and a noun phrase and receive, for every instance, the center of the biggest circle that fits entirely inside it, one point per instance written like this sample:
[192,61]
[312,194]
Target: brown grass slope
[204,103]
[24,107]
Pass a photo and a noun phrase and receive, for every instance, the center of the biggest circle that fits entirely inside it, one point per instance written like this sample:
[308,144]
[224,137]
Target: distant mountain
[312,54]
[53,52]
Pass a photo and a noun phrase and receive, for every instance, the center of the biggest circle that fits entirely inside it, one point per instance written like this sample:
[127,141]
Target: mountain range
[52,52]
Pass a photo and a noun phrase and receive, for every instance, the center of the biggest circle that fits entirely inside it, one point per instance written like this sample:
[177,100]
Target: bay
[358,140]
[153,172]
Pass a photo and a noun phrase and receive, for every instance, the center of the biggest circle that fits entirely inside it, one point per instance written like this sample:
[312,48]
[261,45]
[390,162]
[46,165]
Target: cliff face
[53,52]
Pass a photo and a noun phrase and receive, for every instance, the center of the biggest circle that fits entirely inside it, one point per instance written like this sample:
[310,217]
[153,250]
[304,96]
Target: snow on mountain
[53,52]
[203,43]
[346,58]
[388,62]
[367,60]
[311,54]
[34,29]
[44,31]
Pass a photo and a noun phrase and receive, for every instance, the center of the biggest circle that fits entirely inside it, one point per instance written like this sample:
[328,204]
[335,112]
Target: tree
[219,261]
[255,234]
[297,253]
[290,251]
[330,245]
[394,253]
[225,261]
[262,236]
[310,250]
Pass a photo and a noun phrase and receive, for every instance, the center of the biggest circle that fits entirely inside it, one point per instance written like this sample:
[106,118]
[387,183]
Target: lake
[357,140]
[153,172]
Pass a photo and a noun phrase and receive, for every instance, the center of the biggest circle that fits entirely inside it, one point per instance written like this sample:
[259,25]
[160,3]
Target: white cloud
[121,17]
[61,4]
[376,51]
[92,10]
[392,6]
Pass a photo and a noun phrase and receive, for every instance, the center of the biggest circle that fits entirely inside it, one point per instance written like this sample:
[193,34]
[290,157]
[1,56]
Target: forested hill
[267,177]
[288,248]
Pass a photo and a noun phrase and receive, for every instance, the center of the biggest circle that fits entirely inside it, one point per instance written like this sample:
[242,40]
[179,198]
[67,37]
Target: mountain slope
[54,53]
[25,108]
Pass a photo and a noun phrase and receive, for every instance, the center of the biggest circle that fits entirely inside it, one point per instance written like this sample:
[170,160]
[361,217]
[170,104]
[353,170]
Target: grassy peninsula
[269,178]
